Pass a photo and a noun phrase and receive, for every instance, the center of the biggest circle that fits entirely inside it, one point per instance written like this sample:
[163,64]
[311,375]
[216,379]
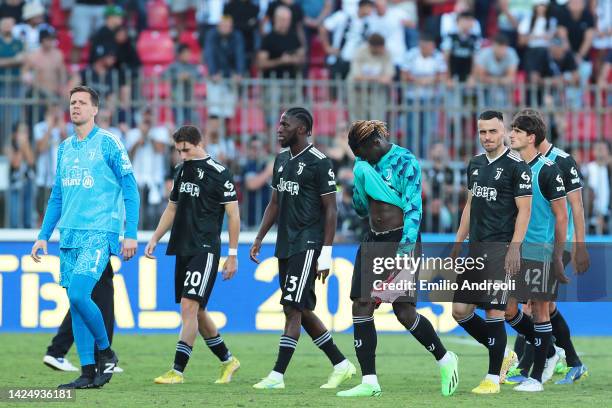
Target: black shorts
[194,276]
[296,278]
[494,255]
[363,276]
[537,280]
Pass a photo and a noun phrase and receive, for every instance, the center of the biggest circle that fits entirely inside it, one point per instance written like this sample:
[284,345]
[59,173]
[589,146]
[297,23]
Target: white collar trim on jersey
[306,148]
[549,149]
[203,158]
[492,160]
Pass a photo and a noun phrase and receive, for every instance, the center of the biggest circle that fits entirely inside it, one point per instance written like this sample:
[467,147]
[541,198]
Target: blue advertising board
[31,300]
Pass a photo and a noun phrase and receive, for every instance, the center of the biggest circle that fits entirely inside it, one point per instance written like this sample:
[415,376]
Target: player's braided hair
[363,129]
[303,115]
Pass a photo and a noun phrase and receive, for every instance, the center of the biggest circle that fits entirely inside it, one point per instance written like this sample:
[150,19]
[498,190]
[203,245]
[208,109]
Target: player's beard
[493,147]
[289,140]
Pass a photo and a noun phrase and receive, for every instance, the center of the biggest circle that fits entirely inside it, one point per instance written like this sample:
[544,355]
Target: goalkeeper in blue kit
[93,199]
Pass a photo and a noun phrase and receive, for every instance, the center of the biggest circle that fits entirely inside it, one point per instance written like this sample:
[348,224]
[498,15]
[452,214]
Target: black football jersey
[572,178]
[300,181]
[201,189]
[494,186]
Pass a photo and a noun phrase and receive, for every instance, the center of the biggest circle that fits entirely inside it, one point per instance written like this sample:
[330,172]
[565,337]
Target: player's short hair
[491,114]
[187,133]
[531,112]
[426,36]
[532,125]
[182,47]
[303,115]
[501,39]
[362,130]
[95,99]
[376,40]
[465,14]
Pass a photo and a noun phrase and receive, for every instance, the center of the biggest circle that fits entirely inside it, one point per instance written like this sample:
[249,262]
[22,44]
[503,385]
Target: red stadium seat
[320,90]
[607,126]
[163,114]
[326,118]
[191,23]
[251,118]
[58,18]
[155,47]
[190,38]
[581,126]
[157,15]
[317,53]
[64,43]
[85,53]
[152,84]
[521,81]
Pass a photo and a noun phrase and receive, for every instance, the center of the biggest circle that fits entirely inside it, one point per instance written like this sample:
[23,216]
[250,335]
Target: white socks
[494,378]
[343,365]
[275,376]
[445,359]
[370,379]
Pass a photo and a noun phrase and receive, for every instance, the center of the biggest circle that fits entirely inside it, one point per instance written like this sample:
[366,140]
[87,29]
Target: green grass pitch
[407,373]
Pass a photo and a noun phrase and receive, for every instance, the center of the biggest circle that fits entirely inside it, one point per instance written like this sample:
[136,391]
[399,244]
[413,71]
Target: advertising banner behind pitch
[31,300]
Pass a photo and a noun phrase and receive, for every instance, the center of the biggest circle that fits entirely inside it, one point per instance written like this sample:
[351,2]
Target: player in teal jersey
[575,250]
[543,249]
[94,195]
[387,188]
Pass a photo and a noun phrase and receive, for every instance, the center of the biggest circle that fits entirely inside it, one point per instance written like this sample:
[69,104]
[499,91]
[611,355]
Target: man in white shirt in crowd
[390,23]
[423,68]
[147,146]
[448,21]
[349,32]
[48,135]
[495,67]
[597,174]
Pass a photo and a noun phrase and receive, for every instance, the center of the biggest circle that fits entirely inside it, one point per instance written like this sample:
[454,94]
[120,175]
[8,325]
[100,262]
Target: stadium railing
[417,117]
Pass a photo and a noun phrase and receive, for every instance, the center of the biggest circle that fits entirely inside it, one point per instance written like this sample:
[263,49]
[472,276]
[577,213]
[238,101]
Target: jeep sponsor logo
[488,193]
[190,188]
[291,187]
[77,176]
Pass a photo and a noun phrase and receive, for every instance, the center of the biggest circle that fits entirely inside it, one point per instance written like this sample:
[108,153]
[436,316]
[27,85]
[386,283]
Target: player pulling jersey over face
[387,189]
[396,180]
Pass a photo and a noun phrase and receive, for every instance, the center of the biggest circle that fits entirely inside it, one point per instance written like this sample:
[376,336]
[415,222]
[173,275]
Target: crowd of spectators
[209,47]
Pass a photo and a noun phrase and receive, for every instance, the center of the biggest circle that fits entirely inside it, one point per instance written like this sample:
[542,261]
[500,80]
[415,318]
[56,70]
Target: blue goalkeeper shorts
[88,261]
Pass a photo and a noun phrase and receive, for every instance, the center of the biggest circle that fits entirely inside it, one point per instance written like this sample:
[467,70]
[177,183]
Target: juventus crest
[200,173]
[499,173]
[301,166]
